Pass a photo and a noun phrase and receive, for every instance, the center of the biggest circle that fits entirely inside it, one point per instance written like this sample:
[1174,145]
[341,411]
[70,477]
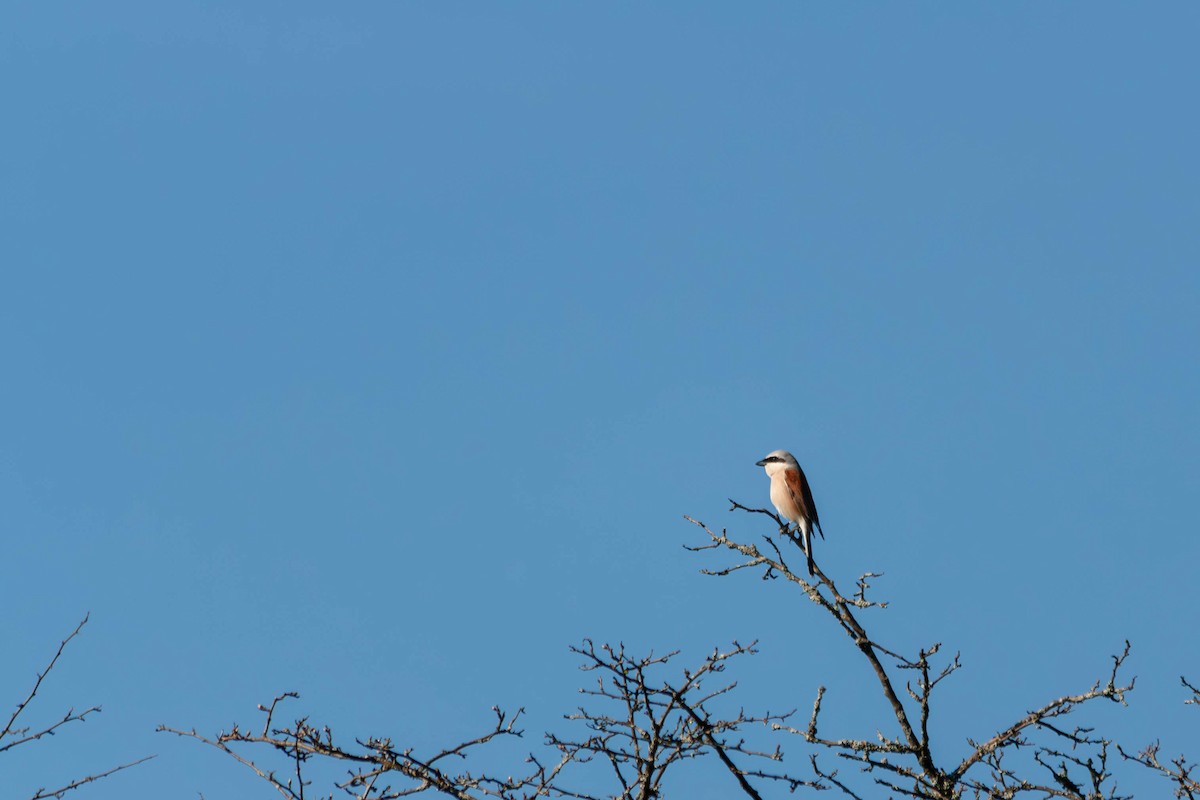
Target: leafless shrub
[639,726]
[639,722]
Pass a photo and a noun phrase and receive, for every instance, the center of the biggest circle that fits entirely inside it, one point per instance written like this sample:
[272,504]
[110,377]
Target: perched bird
[792,497]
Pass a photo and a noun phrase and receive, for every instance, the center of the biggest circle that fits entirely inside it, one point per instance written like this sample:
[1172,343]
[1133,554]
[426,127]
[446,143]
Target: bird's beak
[762,463]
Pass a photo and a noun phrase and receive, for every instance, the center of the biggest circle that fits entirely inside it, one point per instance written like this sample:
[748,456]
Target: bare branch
[1055,708]
[373,759]
[841,609]
[904,764]
[20,736]
[43,793]
[1178,770]
[17,736]
[37,684]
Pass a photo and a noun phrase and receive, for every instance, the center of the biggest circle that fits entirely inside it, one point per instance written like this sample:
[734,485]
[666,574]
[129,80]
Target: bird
[791,496]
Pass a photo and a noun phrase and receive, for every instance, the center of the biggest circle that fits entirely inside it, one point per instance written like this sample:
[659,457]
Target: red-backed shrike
[792,497]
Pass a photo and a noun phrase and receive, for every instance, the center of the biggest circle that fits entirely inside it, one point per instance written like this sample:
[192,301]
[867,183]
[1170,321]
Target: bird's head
[778,460]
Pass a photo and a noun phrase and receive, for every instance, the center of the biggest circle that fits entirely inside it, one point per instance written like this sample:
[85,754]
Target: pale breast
[781,498]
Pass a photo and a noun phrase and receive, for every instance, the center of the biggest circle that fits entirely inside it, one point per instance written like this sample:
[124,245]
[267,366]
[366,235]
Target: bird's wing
[802,495]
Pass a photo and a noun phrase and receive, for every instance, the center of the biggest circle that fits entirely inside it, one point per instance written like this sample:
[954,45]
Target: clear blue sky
[375,350]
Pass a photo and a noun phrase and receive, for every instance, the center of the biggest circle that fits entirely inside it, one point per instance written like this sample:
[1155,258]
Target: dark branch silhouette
[637,723]
[15,734]
[643,719]
[904,763]
[1178,769]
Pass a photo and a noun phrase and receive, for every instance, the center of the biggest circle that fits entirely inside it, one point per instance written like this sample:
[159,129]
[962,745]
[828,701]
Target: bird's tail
[807,533]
